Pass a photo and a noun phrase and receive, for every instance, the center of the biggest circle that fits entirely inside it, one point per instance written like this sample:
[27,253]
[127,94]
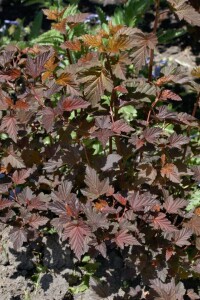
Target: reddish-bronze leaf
[119,43]
[186,12]
[74,45]
[96,187]
[19,177]
[92,40]
[110,161]
[168,291]
[135,140]
[194,224]
[192,295]
[49,66]
[48,117]
[164,113]
[77,233]
[54,14]
[164,79]
[36,204]
[101,204]
[58,207]
[102,249]
[171,172]
[13,159]
[177,140]
[142,43]
[18,236]
[196,176]
[122,89]
[9,124]
[64,190]
[147,172]
[4,203]
[60,26]
[69,104]
[181,237]
[68,80]
[9,75]
[167,94]
[103,122]
[120,199]
[95,83]
[140,201]
[120,126]
[36,221]
[169,253]
[76,19]
[96,219]
[161,222]
[151,134]
[102,135]
[172,205]
[123,238]
[35,66]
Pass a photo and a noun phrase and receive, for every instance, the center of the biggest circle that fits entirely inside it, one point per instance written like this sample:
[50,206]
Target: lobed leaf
[95,83]
[19,177]
[77,233]
[96,187]
[167,94]
[9,124]
[171,172]
[35,66]
[161,222]
[172,205]
[69,104]
[123,238]
[181,237]
[177,140]
[186,12]
[18,236]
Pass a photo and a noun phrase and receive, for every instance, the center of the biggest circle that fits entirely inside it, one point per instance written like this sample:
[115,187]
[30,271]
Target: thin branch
[86,155]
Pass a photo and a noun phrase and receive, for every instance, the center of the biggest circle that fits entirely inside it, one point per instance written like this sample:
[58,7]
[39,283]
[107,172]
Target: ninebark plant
[71,160]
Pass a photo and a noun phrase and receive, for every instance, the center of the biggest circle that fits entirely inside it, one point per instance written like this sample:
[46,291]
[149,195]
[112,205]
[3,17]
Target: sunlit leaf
[69,104]
[95,83]
[123,238]
[9,124]
[171,172]
[96,187]
[76,232]
[67,80]
[161,222]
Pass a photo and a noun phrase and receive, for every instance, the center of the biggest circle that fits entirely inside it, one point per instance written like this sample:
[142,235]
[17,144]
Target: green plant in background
[88,268]
[132,13]
[194,199]
[27,295]
[40,271]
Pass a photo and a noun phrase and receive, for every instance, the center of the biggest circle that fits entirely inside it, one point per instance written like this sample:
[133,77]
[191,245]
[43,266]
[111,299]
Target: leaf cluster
[71,161]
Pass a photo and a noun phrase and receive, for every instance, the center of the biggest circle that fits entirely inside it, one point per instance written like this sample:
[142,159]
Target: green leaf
[86,258]
[36,25]
[194,200]
[101,14]
[128,112]
[50,37]
[169,35]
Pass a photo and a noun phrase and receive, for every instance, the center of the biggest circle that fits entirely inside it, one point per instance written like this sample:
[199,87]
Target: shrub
[92,146]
